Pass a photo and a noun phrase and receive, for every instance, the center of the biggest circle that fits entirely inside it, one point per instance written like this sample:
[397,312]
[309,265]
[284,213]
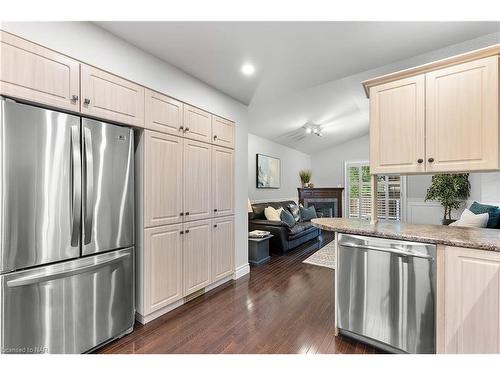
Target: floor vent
[194,295]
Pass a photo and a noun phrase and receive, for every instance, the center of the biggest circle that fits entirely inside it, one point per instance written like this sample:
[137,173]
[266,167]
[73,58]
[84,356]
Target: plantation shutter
[359,193]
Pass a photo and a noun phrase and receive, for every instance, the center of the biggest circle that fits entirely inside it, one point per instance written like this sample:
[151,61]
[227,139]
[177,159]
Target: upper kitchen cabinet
[110,97]
[197,124]
[37,74]
[222,132]
[462,117]
[438,117]
[163,113]
[395,148]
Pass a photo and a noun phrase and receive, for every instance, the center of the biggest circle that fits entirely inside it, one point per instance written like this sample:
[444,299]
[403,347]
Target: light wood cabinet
[197,180]
[440,117]
[163,113]
[196,255]
[397,126]
[222,132]
[462,117]
[222,247]
[110,97]
[197,124]
[36,74]
[222,181]
[471,301]
[163,179]
[163,266]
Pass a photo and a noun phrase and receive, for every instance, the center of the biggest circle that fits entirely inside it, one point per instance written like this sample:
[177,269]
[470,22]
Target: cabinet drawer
[37,74]
[109,97]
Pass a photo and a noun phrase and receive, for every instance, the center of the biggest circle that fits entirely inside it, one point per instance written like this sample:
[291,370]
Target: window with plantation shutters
[359,192]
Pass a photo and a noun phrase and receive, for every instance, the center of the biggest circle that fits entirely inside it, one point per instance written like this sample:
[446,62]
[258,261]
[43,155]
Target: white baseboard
[241,271]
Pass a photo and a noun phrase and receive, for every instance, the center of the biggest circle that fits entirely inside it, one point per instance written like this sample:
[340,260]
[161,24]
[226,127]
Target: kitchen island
[467,278]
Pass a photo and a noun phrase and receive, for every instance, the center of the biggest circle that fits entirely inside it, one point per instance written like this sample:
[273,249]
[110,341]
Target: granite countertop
[476,238]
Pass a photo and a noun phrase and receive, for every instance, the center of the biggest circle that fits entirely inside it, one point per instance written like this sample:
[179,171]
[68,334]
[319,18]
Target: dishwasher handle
[392,250]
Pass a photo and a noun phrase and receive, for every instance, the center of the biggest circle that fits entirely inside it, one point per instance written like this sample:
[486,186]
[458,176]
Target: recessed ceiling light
[308,130]
[248,69]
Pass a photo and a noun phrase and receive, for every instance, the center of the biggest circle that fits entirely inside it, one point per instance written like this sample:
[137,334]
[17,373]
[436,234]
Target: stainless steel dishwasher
[386,293]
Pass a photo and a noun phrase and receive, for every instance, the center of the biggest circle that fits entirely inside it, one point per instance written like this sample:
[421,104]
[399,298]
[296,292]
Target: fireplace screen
[325,207]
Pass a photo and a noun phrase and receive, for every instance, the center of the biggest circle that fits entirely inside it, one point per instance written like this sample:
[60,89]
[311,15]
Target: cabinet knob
[181,232]
[215,225]
[187,231]
[215,137]
[215,210]
[186,130]
[181,214]
[431,160]
[86,101]
[187,213]
[74,98]
[420,161]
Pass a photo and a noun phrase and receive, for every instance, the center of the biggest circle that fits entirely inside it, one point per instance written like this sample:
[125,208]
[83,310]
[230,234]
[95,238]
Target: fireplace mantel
[307,194]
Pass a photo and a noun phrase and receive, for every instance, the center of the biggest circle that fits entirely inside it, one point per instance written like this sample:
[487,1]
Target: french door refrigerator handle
[392,250]
[34,279]
[76,191]
[89,185]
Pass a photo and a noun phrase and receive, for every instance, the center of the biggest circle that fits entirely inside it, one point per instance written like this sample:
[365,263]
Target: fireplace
[326,201]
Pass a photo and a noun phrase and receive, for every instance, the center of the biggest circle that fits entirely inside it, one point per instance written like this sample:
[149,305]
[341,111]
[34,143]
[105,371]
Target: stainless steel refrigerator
[66,230]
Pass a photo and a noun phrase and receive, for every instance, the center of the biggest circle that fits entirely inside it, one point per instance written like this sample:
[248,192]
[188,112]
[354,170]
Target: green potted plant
[305,177]
[450,190]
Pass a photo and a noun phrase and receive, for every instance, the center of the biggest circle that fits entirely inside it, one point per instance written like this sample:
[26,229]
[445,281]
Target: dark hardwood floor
[284,306]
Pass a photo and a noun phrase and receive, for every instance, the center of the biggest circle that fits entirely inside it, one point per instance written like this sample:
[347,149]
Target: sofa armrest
[271,223]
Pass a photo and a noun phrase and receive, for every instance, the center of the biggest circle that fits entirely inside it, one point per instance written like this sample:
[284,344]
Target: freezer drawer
[69,307]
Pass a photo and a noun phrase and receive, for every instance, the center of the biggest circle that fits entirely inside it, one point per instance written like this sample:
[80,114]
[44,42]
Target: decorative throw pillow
[470,219]
[294,210]
[493,213]
[272,213]
[306,214]
[287,218]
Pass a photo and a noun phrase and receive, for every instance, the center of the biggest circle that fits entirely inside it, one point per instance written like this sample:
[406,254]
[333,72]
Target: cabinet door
[462,117]
[397,128]
[222,132]
[223,181]
[197,180]
[163,183]
[197,124]
[110,97]
[163,266]
[196,255]
[163,114]
[471,301]
[222,247]
[37,74]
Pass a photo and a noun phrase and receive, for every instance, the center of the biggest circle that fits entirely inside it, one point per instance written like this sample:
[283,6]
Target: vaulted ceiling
[305,71]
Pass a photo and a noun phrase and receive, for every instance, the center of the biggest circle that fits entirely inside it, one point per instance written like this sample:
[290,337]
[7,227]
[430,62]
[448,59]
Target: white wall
[328,165]
[93,45]
[292,161]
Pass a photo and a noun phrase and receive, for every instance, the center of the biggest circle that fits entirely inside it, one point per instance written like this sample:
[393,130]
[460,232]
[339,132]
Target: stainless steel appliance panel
[69,307]
[40,185]
[386,292]
[108,186]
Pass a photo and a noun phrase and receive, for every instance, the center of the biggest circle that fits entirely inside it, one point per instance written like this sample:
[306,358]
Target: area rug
[324,257]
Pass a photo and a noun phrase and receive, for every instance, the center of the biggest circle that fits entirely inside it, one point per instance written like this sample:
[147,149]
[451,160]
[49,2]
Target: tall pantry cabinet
[185,160]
